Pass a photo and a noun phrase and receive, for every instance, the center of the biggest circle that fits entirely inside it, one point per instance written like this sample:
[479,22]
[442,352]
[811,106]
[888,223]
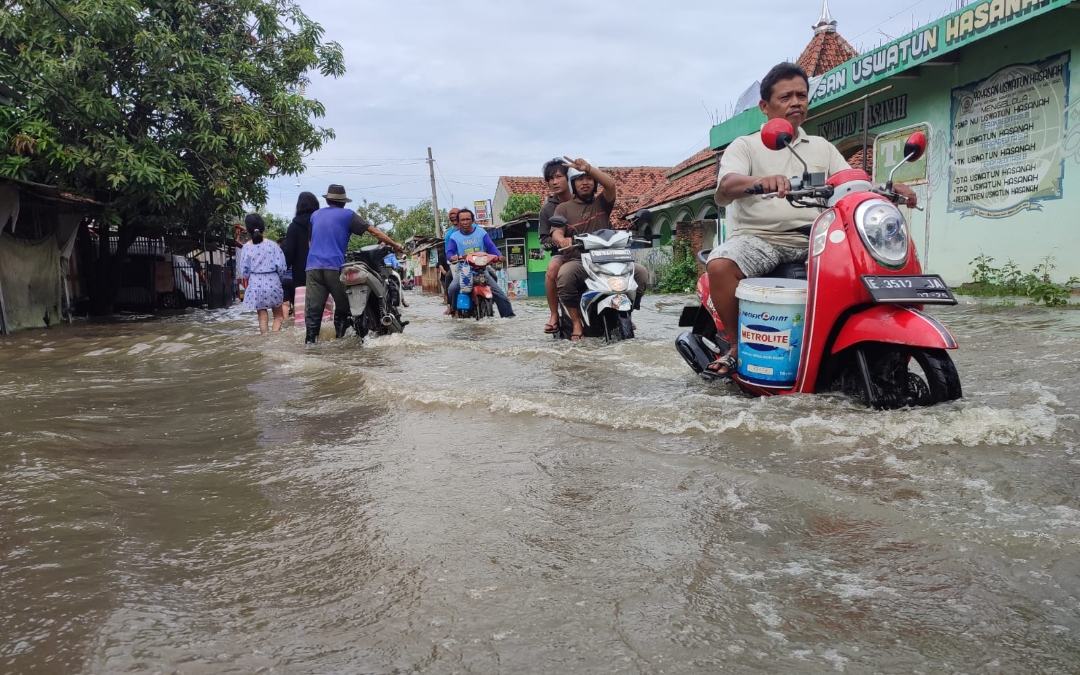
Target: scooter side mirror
[915,146]
[558,221]
[777,134]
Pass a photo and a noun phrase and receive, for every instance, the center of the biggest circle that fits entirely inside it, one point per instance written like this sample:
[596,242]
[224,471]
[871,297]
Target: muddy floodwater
[185,496]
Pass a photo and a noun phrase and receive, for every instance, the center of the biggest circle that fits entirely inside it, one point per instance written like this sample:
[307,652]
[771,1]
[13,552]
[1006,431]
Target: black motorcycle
[374,290]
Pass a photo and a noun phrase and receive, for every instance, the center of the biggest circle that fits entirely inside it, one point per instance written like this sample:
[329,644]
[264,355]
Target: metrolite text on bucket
[771,321]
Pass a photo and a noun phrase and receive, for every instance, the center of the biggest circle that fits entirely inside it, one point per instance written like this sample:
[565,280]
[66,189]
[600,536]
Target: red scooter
[864,331]
[475,298]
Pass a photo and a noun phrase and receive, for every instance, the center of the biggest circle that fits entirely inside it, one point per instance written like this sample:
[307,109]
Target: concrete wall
[498,203]
[950,233]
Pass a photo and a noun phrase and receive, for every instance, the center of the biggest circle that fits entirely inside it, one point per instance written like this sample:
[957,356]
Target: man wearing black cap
[331,228]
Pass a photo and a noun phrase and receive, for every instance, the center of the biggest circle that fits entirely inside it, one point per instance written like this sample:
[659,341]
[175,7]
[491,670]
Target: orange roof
[856,160]
[827,49]
[525,185]
[699,156]
[691,183]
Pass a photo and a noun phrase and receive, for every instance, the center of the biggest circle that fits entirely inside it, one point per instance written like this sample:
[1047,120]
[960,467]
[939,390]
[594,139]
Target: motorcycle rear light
[353,275]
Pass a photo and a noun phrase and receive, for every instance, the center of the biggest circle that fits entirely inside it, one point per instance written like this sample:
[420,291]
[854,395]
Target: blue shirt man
[331,228]
[471,239]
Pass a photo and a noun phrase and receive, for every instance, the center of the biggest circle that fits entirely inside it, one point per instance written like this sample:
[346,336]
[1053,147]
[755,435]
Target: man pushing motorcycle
[764,232]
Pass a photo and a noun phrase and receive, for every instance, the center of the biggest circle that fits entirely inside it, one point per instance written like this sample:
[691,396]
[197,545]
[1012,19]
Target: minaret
[827,49]
[825,24]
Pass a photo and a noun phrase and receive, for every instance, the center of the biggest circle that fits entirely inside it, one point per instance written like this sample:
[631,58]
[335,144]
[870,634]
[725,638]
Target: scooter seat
[795,270]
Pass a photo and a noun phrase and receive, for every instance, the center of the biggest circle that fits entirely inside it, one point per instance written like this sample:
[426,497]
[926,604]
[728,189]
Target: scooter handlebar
[755,190]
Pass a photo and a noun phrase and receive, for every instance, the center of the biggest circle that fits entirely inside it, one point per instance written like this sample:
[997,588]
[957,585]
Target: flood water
[185,496]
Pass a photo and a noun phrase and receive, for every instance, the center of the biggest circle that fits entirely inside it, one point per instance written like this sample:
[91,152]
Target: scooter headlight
[884,232]
[821,230]
[617,284]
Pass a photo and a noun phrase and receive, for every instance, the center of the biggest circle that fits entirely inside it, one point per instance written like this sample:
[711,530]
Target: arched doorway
[852,151]
[661,232]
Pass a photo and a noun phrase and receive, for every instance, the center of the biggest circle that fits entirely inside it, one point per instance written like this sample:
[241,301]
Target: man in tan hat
[331,228]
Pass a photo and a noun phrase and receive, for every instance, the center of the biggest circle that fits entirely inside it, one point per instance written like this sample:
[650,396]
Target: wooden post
[865,129]
[434,196]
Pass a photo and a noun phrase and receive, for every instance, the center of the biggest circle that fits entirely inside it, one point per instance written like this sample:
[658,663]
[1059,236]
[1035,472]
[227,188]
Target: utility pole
[434,196]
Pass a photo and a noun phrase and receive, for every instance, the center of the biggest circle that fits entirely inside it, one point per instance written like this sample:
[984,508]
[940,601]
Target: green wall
[948,240]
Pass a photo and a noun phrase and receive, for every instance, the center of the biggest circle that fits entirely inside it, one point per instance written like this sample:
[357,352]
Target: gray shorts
[755,256]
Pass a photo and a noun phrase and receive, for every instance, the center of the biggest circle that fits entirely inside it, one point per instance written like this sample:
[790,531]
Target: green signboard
[1007,135]
[948,33]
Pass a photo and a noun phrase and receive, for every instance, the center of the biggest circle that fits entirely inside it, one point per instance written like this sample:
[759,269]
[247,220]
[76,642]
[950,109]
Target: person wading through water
[331,228]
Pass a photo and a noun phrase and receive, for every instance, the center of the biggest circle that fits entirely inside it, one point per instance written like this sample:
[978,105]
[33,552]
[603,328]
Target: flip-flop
[576,337]
[551,328]
[726,361]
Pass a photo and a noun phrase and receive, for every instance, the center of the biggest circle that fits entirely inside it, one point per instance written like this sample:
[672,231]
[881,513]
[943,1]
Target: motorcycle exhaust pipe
[386,320]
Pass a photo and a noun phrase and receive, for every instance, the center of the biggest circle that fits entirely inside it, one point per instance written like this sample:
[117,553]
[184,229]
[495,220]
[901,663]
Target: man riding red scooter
[862,325]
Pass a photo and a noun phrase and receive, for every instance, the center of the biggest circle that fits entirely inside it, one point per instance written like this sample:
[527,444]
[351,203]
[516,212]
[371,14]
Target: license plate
[611,256]
[927,289]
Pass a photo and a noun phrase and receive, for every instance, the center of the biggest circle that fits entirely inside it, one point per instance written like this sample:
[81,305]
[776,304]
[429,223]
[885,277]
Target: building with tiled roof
[686,194]
[954,79]
[827,49]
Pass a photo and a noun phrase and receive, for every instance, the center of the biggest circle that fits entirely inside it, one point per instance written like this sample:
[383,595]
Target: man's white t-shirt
[773,219]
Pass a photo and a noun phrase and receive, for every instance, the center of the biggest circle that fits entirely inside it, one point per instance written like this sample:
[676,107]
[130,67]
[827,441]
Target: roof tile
[827,50]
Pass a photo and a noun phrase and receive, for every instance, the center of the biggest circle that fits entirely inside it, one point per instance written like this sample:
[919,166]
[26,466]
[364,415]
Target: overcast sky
[497,87]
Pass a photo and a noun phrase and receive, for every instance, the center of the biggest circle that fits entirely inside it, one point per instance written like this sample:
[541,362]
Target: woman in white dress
[262,263]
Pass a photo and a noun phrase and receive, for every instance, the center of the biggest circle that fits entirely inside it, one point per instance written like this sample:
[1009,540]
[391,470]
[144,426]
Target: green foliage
[415,220]
[682,274]
[276,226]
[173,113]
[519,205]
[987,280]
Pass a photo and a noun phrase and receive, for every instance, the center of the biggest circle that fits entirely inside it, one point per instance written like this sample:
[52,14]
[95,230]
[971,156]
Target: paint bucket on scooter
[771,321]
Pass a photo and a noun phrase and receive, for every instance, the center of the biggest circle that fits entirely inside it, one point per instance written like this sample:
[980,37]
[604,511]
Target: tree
[415,220]
[519,205]
[276,226]
[172,113]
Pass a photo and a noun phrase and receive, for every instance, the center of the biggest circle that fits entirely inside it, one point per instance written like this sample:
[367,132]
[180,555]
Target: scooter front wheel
[893,376]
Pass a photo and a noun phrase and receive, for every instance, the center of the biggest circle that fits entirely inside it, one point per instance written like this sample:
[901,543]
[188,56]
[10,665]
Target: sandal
[576,337]
[727,361]
[551,328]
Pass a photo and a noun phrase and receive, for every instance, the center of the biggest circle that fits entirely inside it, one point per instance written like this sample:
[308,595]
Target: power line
[880,23]
[360,166]
[442,179]
[458,182]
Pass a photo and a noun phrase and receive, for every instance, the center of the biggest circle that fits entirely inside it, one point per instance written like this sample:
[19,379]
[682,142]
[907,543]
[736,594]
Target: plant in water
[682,274]
[988,280]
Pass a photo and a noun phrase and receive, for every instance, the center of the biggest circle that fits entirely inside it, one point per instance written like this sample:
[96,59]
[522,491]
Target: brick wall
[691,233]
